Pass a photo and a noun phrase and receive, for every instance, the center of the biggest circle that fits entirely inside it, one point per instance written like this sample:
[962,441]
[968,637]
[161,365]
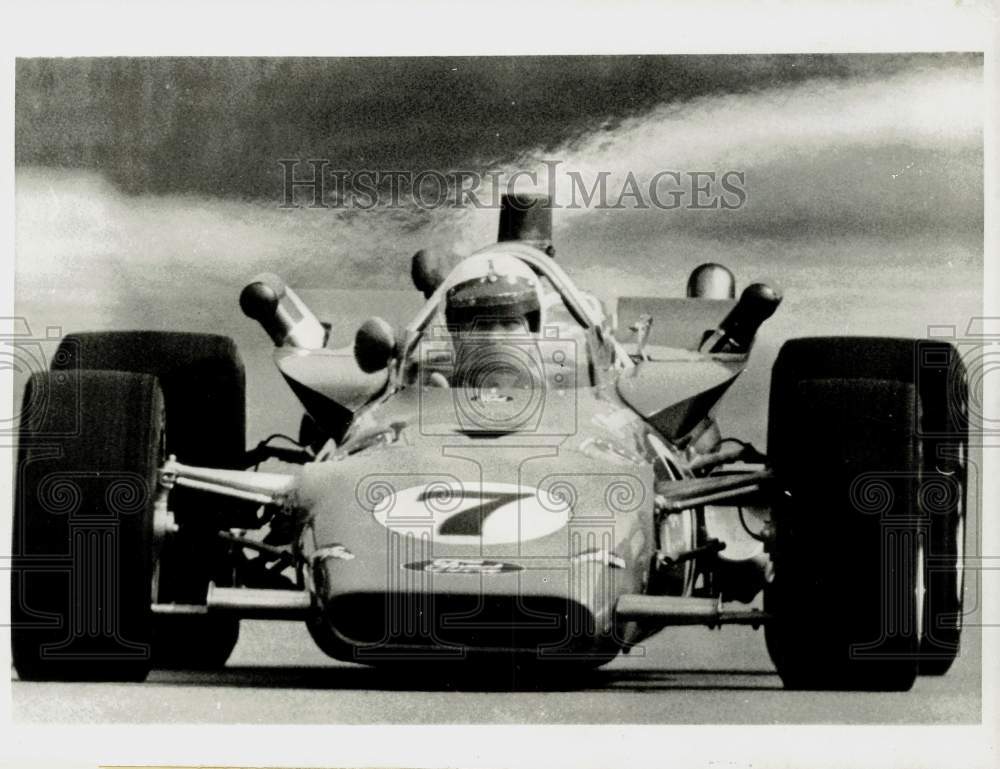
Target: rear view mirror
[374,345]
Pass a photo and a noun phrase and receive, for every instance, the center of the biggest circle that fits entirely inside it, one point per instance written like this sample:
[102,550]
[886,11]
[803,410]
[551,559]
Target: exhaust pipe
[736,332]
[711,281]
[282,314]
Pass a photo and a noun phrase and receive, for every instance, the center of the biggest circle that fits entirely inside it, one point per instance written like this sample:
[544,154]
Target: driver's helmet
[493,293]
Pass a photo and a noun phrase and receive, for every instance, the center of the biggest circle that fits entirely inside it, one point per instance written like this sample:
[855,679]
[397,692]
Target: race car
[518,475]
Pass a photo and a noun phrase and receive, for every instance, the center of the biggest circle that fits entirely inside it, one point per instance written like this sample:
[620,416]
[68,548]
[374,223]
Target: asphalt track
[684,676]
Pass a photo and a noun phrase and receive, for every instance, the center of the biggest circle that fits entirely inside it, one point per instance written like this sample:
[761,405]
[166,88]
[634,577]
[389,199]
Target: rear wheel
[203,385]
[853,595]
[89,450]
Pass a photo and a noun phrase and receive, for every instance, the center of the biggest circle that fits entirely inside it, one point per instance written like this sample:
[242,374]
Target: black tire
[89,450]
[944,395]
[201,376]
[203,384]
[193,642]
[853,425]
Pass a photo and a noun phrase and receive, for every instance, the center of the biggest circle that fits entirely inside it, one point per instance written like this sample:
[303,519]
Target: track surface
[686,676]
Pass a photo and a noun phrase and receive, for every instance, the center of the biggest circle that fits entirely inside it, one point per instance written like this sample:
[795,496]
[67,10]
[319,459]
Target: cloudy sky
[148,190]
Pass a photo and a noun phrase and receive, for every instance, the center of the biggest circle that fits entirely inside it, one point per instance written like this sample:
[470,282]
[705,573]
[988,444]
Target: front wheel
[88,455]
[204,401]
[855,537]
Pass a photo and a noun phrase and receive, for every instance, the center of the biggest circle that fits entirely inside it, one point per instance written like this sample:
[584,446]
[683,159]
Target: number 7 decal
[486,514]
[469,521]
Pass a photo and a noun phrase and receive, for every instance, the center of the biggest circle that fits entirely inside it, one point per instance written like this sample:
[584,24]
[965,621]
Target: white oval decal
[473,514]
[463,566]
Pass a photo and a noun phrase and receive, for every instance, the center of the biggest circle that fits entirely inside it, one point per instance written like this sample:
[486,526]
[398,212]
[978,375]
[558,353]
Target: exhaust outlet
[281,313]
[736,332]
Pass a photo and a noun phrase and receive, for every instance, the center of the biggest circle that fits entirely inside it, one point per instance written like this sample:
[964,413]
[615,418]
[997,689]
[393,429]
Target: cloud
[823,157]
[829,159]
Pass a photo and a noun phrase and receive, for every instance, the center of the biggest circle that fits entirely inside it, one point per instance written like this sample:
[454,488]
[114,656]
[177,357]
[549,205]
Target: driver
[493,310]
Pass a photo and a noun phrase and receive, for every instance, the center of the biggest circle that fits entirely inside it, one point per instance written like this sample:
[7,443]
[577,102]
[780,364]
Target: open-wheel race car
[519,474]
